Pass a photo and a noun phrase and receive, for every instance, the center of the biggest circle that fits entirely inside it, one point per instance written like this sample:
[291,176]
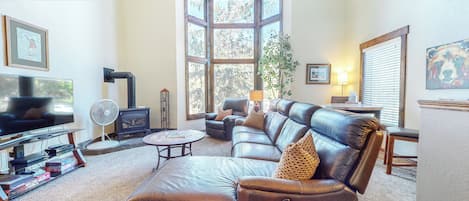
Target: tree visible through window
[224,39]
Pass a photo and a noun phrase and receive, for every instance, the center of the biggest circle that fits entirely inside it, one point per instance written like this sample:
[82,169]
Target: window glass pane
[196,8]
[196,84]
[267,31]
[233,11]
[381,79]
[233,43]
[270,8]
[232,80]
[196,40]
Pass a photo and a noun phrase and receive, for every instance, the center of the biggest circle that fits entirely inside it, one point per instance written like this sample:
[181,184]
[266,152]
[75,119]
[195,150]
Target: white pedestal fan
[104,112]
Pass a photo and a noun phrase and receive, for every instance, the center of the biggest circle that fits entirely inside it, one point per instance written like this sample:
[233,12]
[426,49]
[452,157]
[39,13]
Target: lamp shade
[342,78]
[256,95]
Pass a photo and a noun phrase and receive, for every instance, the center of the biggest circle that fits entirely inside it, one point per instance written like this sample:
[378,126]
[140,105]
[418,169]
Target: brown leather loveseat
[347,145]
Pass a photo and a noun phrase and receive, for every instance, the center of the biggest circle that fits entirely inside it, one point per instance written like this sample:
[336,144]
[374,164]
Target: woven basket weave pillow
[299,160]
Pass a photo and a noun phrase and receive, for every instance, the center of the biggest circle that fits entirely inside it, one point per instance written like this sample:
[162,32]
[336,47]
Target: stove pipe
[110,75]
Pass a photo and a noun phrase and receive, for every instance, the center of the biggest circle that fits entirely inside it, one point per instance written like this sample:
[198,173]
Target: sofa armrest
[307,187]
[210,116]
[240,121]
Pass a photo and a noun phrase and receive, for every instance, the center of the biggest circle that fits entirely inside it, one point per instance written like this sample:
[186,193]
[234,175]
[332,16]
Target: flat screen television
[31,103]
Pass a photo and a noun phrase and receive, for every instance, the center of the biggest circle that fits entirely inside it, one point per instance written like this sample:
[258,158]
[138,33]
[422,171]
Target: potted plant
[277,66]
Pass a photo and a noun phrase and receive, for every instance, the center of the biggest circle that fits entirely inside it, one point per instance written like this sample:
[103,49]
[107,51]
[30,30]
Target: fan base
[103,145]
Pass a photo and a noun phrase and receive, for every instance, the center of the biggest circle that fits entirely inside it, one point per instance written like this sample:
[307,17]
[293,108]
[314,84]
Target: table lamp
[256,96]
[342,80]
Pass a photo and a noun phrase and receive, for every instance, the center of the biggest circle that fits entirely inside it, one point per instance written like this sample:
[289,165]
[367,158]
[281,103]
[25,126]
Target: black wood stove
[131,120]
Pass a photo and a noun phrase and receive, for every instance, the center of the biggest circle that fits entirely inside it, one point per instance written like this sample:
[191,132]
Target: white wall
[317,30]
[442,172]
[431,23]
[81,41]
[147,47]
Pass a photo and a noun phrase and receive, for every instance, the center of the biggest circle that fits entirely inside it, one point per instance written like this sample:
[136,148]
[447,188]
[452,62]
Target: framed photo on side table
[318,73]
[26,45]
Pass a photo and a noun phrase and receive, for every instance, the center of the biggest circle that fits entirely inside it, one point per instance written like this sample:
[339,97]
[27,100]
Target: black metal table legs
[168,156]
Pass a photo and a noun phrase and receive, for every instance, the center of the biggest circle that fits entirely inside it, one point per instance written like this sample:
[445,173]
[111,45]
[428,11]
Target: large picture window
[224,39]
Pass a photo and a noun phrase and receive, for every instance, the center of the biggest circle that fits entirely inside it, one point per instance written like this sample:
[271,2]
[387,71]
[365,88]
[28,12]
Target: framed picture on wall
[318,73]
[448,66]
[26,45]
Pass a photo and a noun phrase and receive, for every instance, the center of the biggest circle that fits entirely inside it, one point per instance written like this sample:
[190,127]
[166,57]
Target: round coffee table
[173,139]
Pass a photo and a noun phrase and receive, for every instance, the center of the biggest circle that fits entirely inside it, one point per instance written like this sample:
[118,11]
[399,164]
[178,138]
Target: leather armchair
[224,129]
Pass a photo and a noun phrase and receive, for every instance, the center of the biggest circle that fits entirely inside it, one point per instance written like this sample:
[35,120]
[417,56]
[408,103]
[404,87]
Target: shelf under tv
[18,145]
[16,195]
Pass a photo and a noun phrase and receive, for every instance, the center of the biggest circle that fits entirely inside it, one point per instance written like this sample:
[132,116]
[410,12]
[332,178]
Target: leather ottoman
[200,178]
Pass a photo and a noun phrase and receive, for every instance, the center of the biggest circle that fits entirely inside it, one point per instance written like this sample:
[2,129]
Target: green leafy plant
[277,66]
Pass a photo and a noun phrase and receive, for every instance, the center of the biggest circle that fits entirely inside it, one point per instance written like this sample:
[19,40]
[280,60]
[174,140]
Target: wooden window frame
[402,33]
[210,62]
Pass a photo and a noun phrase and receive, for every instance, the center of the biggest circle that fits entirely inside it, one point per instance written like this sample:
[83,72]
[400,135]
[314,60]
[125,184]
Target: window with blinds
[382,79]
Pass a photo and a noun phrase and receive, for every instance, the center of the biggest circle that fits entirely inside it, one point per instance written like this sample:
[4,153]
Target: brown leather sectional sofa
[347,145]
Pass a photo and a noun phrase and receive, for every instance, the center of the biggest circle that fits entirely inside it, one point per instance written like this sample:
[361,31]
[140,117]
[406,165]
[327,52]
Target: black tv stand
[18,153]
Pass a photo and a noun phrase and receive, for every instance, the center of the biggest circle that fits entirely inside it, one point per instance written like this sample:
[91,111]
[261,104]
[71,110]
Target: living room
[150,40]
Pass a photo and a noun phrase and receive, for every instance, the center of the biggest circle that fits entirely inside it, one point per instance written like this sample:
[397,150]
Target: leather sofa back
[341,142]
[291,132]
[238,105]
[302,112]
[283,106]
[273,105]
[273,124]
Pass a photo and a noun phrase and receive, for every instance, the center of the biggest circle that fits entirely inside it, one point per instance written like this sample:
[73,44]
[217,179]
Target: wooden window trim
[402,33]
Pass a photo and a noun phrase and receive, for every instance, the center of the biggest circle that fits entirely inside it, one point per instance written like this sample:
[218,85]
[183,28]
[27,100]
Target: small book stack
[60,166]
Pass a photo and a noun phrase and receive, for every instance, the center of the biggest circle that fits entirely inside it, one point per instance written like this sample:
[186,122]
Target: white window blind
[381,79]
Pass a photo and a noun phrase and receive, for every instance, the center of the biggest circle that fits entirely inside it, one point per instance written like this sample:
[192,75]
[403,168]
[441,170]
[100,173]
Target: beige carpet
[112,177]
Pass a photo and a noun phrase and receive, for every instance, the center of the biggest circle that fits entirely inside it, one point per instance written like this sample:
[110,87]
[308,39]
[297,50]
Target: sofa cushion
[245,129]
[273,124]
[214,124]
[344,127]
[251,138]
[336,159]
[256,151]
[255,120]
[200,178]
[301,112]
[291,132]
[283,106]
